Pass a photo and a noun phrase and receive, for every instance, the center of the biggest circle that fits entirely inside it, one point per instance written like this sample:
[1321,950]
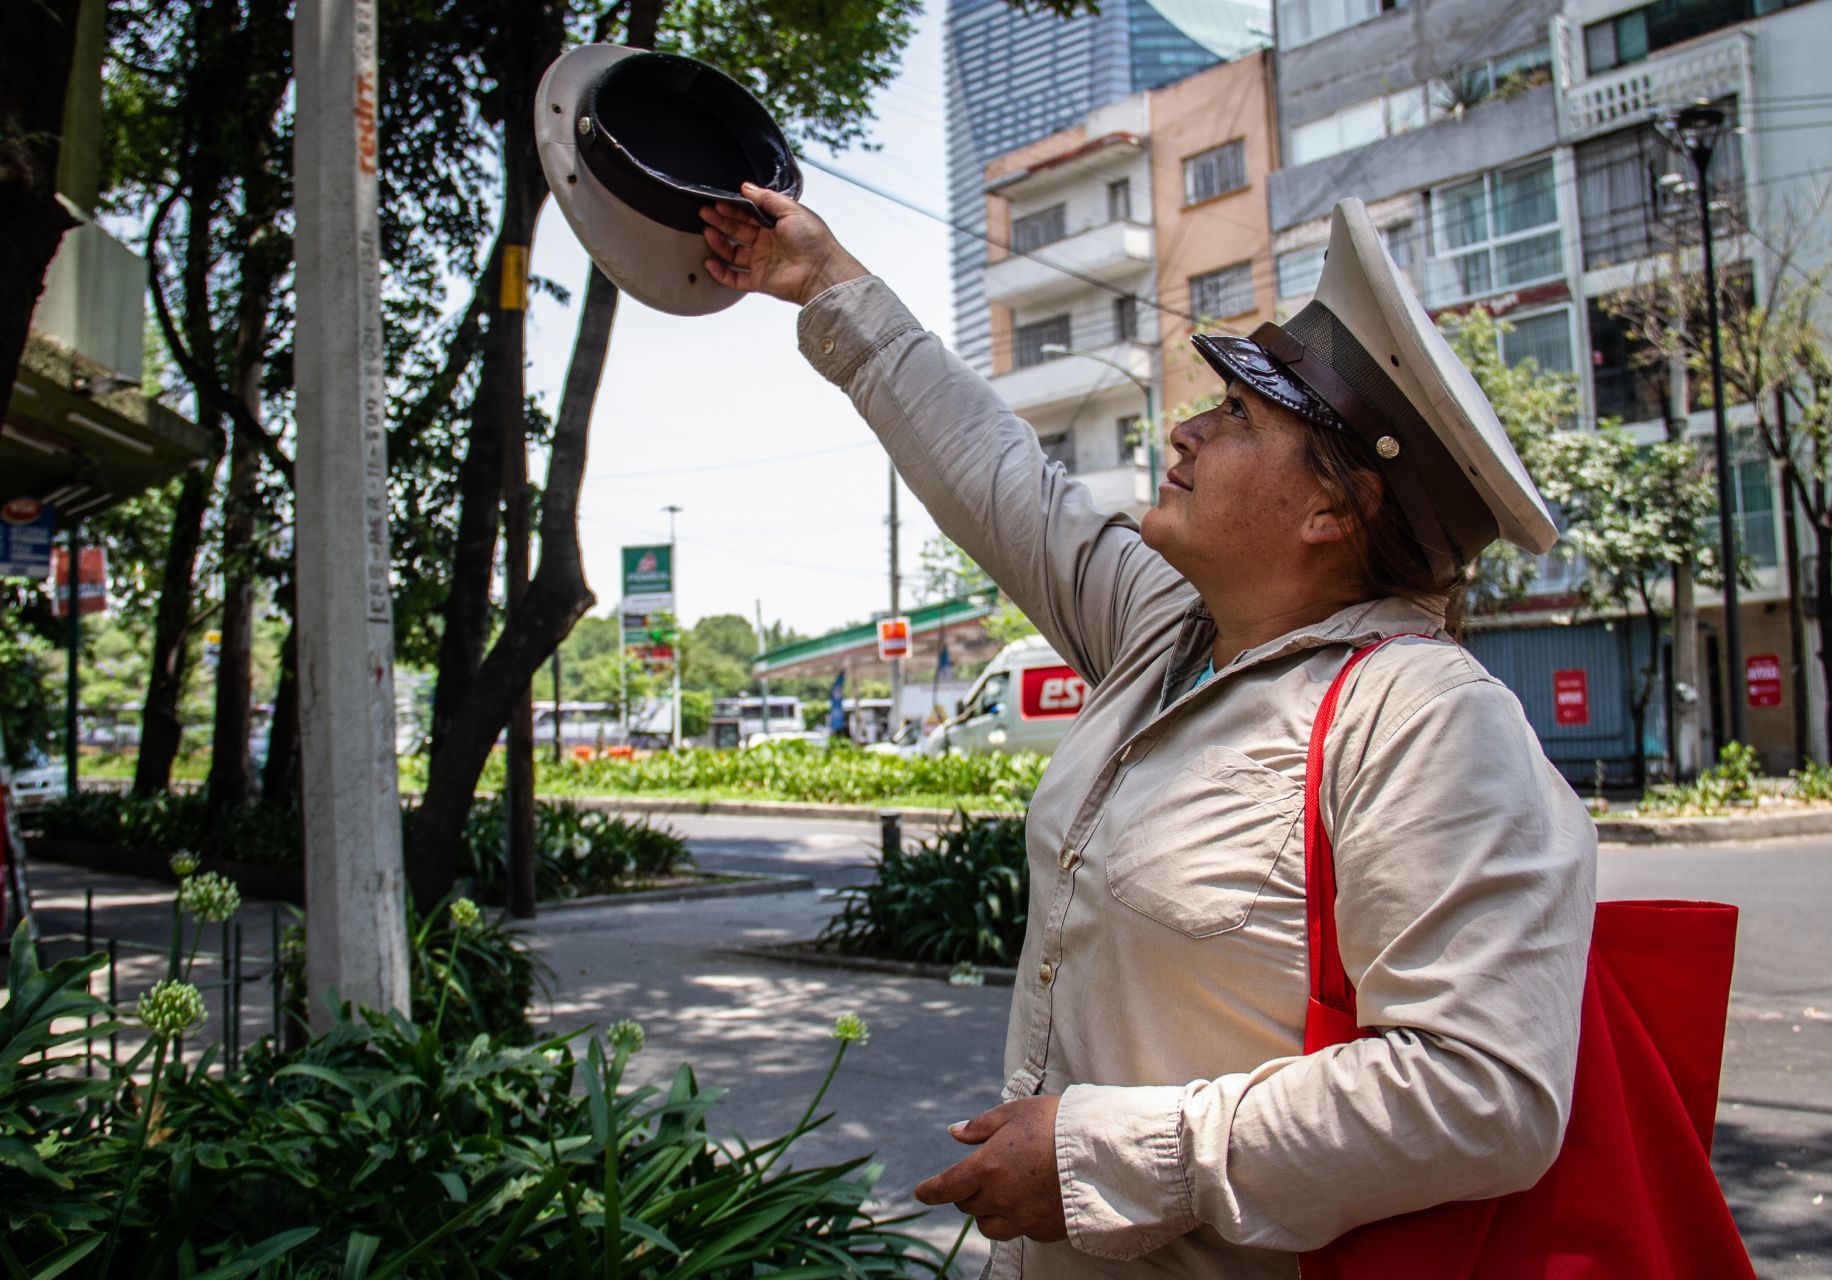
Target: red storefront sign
[1047,693]
[1571,696]
[1763,675]
[91,581]
[893,638]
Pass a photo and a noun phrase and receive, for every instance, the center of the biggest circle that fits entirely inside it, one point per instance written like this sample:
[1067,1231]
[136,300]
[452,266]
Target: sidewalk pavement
[760,1030]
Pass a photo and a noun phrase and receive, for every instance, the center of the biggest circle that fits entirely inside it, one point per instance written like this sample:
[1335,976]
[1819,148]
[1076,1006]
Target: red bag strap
[1329,981]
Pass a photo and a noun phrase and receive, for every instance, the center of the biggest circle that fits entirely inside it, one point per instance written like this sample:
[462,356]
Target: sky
[783,490]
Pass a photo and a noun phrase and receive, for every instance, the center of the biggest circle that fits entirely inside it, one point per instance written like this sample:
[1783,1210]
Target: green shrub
[578,851]
[803,772]
[1813,782]
[962,896]
[162,824]
[377,1150]
[1731,782]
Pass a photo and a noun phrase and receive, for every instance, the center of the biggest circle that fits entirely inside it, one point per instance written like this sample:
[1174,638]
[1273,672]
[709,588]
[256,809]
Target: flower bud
[626,1034]
[210,897]
[171,1008]
[465,915]
[183,863]
[850,1028]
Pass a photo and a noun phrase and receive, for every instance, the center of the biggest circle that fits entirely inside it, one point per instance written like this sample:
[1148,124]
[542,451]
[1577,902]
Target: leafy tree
[1634,512]
[947,571]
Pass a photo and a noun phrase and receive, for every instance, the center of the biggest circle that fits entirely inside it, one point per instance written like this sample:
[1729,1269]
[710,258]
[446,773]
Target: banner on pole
[91,582]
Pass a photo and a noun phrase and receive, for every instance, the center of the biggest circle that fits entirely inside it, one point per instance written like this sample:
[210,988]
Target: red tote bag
[1631,1193]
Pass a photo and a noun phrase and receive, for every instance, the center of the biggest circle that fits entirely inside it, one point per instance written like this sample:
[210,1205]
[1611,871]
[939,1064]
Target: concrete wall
[1488,136]
[1402,47]
[1206,110]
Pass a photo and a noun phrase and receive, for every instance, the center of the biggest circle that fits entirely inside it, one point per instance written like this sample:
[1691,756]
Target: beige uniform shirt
[1163,982]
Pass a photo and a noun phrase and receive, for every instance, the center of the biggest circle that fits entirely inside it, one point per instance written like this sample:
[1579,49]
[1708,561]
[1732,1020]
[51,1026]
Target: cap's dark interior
[691,125]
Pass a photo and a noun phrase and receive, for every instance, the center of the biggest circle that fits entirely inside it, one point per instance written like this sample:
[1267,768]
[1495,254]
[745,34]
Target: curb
[772,809]
[752,885]
[1656,831]
[804,955]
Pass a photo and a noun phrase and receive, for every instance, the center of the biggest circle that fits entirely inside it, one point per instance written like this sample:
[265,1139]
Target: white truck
[1023,701]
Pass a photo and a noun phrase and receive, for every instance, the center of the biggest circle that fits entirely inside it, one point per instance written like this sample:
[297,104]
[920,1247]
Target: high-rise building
[1014,77]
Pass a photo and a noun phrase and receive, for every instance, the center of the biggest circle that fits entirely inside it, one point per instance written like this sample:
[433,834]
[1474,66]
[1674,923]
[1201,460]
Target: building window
[1628,206]
[1754,493]
[1119,200]
[1629,377]
[1299,270]
[1060,448]
[1215,172]
[1544,339]
[1301,21]
[1033,338]
[1495,232]
[1130,432]
[1125,318]
[1216,295]
[1632,36]
[1034,230]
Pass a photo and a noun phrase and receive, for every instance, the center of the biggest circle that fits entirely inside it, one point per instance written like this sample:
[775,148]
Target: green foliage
[696,712]
[947,572]
[378,1150]
[1813,782]
[578,851]
[802,771]
[471,981]
[962,896]
[1732,782]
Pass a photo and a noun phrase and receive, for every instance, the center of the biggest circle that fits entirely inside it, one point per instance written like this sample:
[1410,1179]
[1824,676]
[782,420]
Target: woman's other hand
[795,260]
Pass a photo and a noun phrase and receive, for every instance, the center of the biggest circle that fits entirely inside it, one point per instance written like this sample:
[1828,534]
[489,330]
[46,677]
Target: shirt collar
[1358,625]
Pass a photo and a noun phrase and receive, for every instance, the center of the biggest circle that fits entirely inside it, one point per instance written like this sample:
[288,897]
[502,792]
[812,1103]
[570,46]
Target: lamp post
[1695,130]
[674,579]
[1151,403]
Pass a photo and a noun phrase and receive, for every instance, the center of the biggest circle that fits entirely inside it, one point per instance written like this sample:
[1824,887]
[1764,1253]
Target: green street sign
[648,570]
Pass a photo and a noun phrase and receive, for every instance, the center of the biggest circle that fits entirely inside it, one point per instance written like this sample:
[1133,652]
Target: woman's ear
[1331,520]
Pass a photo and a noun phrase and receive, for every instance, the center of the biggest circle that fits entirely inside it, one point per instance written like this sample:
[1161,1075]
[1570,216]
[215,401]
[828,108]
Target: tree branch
[200,377]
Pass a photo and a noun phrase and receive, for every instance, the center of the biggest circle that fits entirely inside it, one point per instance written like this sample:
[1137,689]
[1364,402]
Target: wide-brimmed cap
[1364,357]
[633,143]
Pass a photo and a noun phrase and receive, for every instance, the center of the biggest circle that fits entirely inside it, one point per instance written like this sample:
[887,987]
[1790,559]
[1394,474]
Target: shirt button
[1070,856]
[826,346]
[1045,973]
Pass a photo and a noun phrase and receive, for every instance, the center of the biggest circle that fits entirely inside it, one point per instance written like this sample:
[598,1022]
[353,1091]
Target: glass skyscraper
[1013,78]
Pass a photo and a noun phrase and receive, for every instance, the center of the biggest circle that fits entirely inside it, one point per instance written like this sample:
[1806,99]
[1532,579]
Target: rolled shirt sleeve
[1464,915]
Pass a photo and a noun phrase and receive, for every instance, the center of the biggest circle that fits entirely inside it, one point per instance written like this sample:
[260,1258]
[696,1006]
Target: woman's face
[1239,489]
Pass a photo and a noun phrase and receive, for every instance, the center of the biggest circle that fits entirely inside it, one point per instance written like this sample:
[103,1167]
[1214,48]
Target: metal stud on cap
[1387,447]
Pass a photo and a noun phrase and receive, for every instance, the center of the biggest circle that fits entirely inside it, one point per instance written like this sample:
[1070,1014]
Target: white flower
[171,1008]
[210,897]
[850,1028]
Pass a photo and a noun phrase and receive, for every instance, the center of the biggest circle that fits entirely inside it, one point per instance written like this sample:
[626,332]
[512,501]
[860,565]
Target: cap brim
[1245,361]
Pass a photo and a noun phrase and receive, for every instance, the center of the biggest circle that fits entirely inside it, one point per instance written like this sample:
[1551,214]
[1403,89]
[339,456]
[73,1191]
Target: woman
[1160,1117]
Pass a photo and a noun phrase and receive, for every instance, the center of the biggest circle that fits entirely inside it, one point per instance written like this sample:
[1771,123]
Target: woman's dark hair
[1390,560]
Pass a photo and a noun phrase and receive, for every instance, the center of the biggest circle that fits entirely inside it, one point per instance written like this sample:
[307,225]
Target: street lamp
[1151,409]
[1695,130]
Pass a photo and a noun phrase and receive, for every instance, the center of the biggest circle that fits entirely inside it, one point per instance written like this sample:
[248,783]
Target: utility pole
[623,675]
[674,584]
[73,639]
[356,902]
[761,650]
[896,716]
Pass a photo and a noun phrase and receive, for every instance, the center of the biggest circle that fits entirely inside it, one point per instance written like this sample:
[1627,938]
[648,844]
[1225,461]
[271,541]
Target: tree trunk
[231,782]
[161,724]
[556,598]
[37,42]
[280,775]
[1689,695]
[1822,595]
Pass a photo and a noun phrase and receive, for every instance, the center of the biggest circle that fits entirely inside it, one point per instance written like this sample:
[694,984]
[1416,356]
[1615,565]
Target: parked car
[1023,701]
[38,780]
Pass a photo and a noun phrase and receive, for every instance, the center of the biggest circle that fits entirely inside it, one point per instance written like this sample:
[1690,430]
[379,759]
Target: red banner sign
[1047,693]
[1571,696]
[1763,675]
[91,581]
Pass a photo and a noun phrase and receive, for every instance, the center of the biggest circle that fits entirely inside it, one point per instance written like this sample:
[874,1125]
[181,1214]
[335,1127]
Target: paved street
[758,1028]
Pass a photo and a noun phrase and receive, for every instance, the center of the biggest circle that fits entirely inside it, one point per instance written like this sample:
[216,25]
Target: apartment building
[1509,153]
[1112,241]
[1013,77]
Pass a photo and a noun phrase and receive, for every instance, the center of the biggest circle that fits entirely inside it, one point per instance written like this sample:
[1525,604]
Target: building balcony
[1110,254]
[1122,488]
[1709,69]
[1070,380]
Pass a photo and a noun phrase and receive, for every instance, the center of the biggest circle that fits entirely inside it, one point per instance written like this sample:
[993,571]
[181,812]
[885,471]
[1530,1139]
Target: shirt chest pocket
[1195,850]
